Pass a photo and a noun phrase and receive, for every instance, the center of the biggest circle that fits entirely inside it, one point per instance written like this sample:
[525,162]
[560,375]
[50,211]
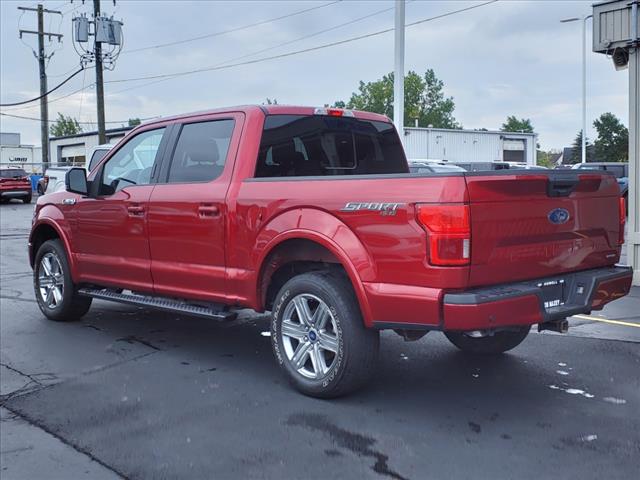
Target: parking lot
[135,393]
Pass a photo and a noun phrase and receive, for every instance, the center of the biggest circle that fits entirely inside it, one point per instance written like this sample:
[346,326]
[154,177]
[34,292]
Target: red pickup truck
[312,214]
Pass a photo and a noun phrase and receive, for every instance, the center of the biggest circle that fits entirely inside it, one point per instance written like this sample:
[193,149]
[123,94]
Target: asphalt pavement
[135,393]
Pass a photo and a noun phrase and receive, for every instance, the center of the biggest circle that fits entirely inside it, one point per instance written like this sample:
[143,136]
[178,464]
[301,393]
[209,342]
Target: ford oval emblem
[558,216]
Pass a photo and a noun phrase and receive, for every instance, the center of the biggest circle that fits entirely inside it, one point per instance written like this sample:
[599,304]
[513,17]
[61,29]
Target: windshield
[298,145]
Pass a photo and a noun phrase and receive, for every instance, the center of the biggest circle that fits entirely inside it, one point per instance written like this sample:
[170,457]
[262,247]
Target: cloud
[508,58]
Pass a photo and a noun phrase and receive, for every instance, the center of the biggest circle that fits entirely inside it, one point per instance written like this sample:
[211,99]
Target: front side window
[201,151]
[132,164]
[303,145]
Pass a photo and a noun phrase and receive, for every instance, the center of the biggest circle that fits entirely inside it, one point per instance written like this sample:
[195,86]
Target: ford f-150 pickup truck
[312,214]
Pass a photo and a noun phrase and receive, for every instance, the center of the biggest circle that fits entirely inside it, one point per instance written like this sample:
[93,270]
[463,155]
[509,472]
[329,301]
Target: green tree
[576,149]
[514,124]
[612,144]
[544,159]
[271,102]
[424,100]
[134,122]
[64,126]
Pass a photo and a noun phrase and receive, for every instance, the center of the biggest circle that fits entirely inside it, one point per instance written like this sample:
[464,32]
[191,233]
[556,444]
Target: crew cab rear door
[187,210]
[531,224]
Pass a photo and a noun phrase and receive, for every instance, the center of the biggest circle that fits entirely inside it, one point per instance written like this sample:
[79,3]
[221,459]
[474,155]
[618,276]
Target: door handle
[135,210]
[208,210]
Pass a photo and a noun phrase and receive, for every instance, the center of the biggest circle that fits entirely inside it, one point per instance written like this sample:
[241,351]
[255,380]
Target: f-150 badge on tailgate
[384,208]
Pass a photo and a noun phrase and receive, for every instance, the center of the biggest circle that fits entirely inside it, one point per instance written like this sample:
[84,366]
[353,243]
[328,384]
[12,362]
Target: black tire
[72,306]
[40,190]
[27,199]
[495,344]
[354,362]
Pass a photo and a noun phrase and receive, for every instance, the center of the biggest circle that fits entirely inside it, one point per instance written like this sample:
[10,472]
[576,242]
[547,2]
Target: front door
[110,237]
[187,210]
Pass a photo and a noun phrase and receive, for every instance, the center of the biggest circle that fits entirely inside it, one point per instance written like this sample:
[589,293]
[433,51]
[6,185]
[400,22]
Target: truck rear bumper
[535,301]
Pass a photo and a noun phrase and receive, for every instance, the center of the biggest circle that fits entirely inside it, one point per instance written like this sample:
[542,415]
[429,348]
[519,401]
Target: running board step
[206,310]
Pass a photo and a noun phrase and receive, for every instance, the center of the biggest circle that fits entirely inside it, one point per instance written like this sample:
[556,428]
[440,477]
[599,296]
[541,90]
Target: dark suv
[619,169]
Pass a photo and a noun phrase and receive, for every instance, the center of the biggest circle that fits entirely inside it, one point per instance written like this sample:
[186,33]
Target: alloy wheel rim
[51,280]
[310,336]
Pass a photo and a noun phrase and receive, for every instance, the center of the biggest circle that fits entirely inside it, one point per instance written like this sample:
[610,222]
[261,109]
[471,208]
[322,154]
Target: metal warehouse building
[14,154]
[463,146]
[76,149]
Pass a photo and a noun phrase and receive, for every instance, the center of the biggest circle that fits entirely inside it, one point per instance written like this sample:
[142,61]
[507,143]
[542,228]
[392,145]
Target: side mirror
[75,181]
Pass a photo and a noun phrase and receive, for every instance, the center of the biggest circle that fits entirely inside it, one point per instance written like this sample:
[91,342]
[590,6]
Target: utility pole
[107,45]
[42,58]
[102,136]
[398,76]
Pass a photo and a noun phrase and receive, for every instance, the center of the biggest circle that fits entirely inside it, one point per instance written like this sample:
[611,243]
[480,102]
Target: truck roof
[268,110]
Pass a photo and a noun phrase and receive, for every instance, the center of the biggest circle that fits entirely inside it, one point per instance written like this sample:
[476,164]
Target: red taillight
[622,207]
[449,233]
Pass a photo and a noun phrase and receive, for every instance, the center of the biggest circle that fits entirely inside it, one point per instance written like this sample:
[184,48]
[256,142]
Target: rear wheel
[497,343]
[27,199]
[319,338]
[55,292]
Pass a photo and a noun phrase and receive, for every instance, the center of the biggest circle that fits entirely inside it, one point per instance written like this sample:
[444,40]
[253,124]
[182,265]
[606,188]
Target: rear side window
[201,151]
[301,145]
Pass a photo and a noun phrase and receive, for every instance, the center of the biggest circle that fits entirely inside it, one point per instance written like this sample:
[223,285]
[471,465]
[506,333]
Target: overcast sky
[507,58]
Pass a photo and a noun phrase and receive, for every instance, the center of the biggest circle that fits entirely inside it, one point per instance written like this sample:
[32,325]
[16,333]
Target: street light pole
[398,76]
[583,158]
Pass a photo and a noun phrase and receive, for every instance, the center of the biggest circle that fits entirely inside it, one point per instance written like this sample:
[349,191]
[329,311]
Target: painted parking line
[606,320]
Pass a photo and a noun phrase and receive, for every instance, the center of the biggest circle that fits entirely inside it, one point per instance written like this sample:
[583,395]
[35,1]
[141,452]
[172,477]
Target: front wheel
[319,338]
[55,292]
[495,344]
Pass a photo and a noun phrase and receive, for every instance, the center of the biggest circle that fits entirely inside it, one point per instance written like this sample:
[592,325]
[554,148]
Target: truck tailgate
[531,225]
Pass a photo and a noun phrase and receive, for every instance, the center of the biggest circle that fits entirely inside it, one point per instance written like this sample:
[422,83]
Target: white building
[14,154]
[467,146]
[76,149]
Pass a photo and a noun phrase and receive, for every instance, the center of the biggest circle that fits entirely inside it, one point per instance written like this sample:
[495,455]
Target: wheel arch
[46,229]
[298,251]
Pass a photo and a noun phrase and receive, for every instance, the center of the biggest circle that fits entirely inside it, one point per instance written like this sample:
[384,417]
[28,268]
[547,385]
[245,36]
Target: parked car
[98,154]
[619,169]
[483,166]
[419,166]
[522,166]
[55,175]
[14,183]
[312,214]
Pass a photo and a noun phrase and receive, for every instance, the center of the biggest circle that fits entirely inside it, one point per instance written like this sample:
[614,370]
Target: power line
[236,29]
[91,85]
[44,94]
[305,37]
[21,117]
[297,52]
[161,77]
